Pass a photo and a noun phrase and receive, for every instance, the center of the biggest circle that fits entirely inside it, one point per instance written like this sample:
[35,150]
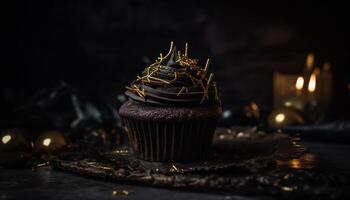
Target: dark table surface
[49,184]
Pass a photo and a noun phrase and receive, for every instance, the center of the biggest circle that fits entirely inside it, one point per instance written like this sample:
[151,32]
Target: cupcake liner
[168,141]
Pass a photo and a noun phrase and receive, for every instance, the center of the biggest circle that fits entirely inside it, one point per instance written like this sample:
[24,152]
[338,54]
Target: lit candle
[305,92]
[310,59]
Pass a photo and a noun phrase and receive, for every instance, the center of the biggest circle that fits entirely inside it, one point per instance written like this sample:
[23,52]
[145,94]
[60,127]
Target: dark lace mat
[243,160]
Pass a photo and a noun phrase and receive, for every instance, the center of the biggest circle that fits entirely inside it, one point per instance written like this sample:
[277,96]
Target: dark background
[100,46]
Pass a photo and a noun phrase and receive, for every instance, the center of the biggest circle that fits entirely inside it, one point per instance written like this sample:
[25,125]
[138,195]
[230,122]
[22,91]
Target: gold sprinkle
[160,56]
[159,79]
[178,55]
[40,165]
[205,95]
[170,50]
[121,192]
[182,89]
[173,168]
[43,164]
[206,65]
[106,168]
[188,62]
[135,88]
[186,49]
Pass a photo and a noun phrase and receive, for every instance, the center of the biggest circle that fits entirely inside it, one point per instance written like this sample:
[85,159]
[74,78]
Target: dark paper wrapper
[179,141]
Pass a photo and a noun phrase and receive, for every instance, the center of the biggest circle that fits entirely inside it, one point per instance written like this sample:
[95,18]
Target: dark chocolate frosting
[175,80]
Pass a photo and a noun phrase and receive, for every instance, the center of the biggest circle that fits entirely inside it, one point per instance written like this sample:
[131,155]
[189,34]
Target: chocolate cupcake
[172,109]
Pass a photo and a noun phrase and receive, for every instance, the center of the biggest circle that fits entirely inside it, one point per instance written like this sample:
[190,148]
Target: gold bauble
[15,148]
[283,116]
[51,142]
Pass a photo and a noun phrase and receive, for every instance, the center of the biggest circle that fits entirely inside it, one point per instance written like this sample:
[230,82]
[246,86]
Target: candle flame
[312,83]
[300,83]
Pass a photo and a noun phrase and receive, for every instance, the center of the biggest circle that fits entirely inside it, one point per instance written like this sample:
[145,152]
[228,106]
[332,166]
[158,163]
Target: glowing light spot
[226,114]
[47,142]
[6,138]
[254,106]
[300,83]
[295,164]
[310,157]
[280,117]
[288,103]
[312,83]
[287,189]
